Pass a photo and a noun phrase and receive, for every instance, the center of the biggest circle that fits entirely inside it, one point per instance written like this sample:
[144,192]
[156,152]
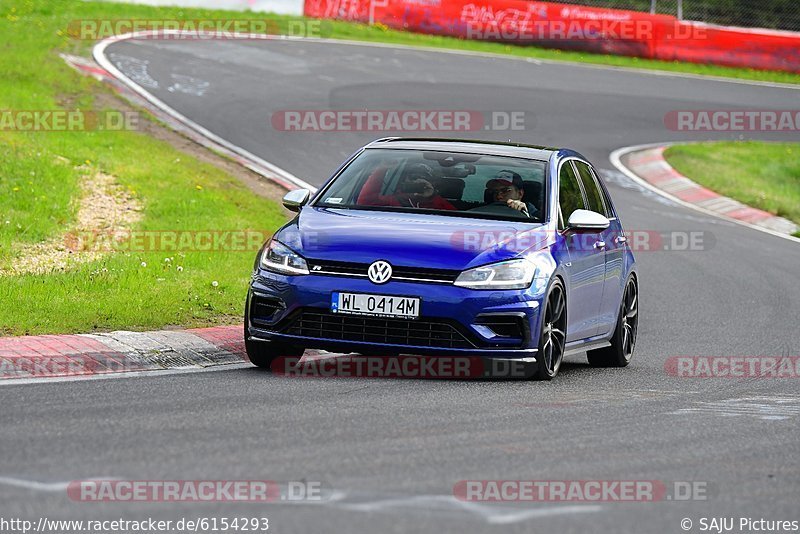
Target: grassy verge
[39,193]
[759,174]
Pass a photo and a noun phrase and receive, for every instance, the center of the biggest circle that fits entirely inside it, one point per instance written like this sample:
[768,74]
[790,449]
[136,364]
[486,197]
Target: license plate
[375,305]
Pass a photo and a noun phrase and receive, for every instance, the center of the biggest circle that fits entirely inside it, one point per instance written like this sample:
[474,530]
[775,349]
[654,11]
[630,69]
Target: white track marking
[43,486]
[188,85]
[616,161]
[766,408]
[138,69]
[99,55]
[131,374]
[490,513]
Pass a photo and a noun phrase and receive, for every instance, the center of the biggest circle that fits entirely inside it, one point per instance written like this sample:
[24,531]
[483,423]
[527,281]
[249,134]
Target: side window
[569,192]
[606,200]
[593,194]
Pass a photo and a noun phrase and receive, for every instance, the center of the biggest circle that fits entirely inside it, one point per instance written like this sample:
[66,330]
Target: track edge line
[616,160]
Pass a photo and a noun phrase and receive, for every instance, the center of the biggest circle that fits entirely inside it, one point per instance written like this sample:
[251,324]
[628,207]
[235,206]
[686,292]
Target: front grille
[413,274]
[419,332]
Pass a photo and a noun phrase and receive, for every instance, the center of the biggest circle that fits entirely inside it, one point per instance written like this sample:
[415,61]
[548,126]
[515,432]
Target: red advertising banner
[572,27]
[734,47]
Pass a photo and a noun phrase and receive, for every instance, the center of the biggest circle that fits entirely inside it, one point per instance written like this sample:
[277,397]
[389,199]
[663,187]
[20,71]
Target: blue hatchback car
[449,247]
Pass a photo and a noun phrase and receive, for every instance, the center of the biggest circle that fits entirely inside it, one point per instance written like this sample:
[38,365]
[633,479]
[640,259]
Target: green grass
[759,174]
[35,193]
[40,173]
[39,179]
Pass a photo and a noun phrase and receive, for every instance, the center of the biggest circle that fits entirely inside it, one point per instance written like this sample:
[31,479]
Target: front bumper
[453,320]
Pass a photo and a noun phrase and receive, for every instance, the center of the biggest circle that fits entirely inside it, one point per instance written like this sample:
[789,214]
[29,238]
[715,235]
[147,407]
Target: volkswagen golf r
[449,247]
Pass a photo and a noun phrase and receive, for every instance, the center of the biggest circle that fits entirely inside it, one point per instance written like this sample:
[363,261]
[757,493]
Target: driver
[506,187]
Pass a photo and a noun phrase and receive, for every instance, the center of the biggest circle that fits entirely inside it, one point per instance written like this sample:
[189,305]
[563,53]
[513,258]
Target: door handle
[621,239]
[600,244]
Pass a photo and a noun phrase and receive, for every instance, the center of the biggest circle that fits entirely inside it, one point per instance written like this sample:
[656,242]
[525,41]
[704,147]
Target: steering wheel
[498,208]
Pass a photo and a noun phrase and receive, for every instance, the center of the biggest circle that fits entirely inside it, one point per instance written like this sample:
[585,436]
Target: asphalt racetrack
[389,451]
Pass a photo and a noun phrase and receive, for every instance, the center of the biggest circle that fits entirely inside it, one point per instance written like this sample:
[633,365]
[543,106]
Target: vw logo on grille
[379,272]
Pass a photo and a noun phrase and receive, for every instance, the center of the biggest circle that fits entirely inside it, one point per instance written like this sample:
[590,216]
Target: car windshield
[445,183]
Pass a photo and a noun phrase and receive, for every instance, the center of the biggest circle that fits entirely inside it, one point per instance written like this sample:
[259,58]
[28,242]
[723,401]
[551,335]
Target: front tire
[263,353]
[623,341]
[553,335]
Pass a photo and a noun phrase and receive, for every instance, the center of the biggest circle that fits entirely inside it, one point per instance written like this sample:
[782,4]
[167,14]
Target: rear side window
[569,192]
[593,194]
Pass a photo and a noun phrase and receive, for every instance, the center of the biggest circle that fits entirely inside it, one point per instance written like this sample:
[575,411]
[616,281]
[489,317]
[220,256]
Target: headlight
[515,274]
[279,258]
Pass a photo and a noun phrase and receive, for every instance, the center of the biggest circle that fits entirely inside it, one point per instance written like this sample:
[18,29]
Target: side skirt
[575,347]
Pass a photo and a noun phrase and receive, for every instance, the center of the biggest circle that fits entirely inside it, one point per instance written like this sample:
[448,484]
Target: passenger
[507,187]
[414,190]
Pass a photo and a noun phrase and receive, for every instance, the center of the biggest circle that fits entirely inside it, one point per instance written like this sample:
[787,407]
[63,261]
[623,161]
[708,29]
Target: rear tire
[623,341]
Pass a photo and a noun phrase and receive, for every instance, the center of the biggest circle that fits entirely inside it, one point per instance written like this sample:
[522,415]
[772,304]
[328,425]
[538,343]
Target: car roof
[469,146]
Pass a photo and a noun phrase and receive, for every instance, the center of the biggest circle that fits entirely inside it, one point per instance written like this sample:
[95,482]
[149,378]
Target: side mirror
[586,222]
[294,200]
